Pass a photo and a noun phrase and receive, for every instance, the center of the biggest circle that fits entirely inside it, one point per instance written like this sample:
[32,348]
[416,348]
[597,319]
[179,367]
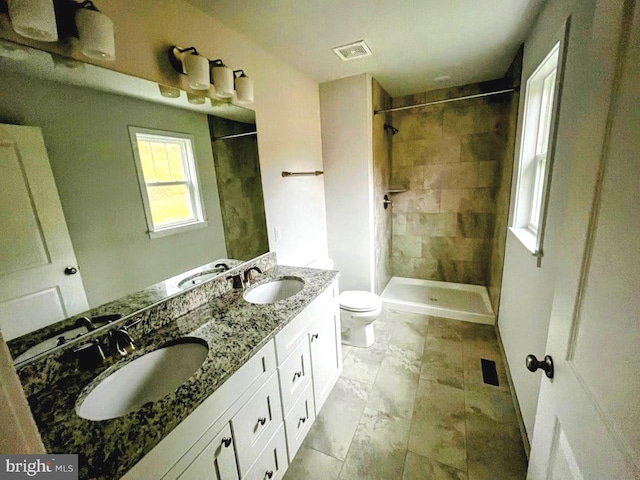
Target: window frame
[190,165]
[534,168]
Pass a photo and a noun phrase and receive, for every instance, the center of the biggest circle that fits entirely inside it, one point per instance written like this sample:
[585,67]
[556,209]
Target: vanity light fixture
[95,31]
[201,73]
[244,86]
[168,92]
[35,19]
[222,78]
[187,61]
[39,20]
[195,99]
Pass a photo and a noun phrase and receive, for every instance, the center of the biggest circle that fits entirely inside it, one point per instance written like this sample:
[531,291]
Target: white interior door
[35,247]
[588,419]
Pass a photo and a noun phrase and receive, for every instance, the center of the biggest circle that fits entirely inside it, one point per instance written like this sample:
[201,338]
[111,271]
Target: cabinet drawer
[299,421]
[289,337]
[295,374]
[272,462]
[256,422]
[216,462]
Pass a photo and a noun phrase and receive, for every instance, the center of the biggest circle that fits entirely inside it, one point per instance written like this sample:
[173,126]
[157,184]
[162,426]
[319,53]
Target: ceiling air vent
[353,51]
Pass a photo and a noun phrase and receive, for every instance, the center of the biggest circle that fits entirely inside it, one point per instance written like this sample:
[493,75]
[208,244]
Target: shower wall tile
[406,246]
[411,177]
[420,126]
[475,225]
[455,175]
[414,201]
[488,174]
[488,146]
[399,222]
[470,200]
[431,224]
[465,249]
[453,159]
[489,116]
[382,174]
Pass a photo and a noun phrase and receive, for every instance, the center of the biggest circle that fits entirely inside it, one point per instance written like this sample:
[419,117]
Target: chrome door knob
[534,364]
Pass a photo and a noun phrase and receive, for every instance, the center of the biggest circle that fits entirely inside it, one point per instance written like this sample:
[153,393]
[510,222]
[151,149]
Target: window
[534,163]
[168,180]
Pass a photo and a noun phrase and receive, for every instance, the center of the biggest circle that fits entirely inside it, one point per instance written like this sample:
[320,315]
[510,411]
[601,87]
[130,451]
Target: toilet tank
[324,263]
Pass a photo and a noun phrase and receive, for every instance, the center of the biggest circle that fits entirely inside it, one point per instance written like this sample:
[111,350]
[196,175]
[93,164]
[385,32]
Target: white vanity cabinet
[217,461]
[309,358]
[253,425]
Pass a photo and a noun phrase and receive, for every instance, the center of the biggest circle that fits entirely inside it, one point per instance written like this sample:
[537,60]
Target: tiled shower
[451,166]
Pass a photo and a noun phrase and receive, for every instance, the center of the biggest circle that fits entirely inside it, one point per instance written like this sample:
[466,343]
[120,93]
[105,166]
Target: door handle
[534,364]
[70,271]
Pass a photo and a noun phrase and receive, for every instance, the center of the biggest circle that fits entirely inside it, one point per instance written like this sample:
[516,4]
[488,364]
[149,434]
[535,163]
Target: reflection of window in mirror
[166,168]
[535,151]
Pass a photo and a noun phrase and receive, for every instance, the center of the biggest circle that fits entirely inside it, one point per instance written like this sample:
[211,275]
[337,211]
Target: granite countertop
[123,306]
[234,331]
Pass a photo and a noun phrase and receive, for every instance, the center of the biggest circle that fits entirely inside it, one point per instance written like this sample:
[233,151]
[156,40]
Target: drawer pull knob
[262,420]
[297,375]
[269,473]
[226,441]
[314,336]
[303,419]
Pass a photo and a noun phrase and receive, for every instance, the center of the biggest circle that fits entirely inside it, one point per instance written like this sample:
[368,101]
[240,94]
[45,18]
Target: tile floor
[414,406]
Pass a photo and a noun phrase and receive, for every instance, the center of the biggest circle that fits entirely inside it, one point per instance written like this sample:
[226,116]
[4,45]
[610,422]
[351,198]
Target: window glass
[168,180]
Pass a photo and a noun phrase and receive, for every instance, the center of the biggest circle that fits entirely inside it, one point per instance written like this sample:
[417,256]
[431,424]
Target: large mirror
[85,114]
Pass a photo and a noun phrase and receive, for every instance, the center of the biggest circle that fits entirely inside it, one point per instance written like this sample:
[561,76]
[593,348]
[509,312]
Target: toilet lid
[359,301]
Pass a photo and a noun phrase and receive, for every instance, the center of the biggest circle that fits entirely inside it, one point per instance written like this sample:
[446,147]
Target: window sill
[526,237]
[178,229]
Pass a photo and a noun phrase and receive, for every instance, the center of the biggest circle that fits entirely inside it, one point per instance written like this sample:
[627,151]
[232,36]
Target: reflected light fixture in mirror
[169,92]
[244,87]
[222,79]
[189,62]
[195,99]
[95,31]
[34,19]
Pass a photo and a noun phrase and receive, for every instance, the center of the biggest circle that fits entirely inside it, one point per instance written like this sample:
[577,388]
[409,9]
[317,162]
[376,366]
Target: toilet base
[362,336]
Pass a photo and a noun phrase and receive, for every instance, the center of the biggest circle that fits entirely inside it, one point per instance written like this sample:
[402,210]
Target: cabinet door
[295,375]
[272,463]
[326,355]
[216,462]
[255,424]
[299,421]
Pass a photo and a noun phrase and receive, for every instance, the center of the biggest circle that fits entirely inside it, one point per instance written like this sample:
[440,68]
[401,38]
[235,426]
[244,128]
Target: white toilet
[358,310]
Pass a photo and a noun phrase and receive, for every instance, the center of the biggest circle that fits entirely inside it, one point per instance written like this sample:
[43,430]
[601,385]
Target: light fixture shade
[222,80]
[244,89]
[195,99]
[95,31]
[197,69]
[34,19]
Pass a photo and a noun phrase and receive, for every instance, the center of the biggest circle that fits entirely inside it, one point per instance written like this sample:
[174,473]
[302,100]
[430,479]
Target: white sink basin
[197,279]
[50,343]
[146,379]
[274,290]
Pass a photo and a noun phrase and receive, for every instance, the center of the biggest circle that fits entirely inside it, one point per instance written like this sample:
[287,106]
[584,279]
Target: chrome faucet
[250,275]
[223,266]
[121,342]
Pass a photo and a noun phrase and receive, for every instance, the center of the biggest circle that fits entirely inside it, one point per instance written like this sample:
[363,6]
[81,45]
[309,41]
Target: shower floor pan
[458,301]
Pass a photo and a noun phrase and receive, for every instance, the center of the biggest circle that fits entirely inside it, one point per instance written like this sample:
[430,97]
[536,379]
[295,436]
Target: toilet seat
[359,301]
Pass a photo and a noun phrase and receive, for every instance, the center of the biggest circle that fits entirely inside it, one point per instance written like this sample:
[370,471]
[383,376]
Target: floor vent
[489,372]
[353,50]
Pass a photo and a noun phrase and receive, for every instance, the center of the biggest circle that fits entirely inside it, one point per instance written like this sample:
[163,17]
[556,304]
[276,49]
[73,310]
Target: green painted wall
[87,137]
